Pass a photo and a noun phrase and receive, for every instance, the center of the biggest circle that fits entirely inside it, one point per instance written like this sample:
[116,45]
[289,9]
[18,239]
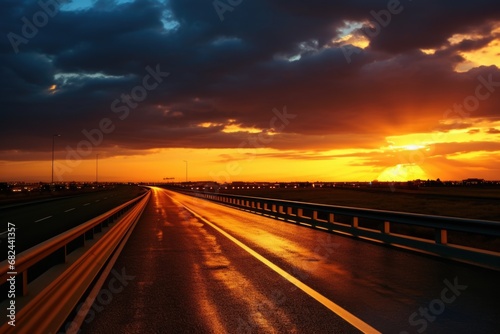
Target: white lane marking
[1,234]
[69,210]
[97,200]
[343,313]
[39,220]
[86,204]
[105,198]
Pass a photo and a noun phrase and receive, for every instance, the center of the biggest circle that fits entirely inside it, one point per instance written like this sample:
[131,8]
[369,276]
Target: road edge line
[341,312]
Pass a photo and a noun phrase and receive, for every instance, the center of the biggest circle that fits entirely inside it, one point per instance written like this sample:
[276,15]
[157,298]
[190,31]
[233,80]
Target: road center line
[39,220]
[70,210]
[344,314]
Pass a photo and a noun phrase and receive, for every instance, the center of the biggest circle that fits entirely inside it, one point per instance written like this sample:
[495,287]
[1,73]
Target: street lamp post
[186,170]
[53,141]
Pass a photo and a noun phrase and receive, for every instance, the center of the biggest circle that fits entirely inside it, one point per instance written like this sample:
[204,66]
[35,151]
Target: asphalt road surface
[37,222]
[192,266]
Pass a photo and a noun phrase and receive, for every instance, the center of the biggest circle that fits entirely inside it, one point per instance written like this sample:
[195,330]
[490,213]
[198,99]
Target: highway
[192,266]
[39,221]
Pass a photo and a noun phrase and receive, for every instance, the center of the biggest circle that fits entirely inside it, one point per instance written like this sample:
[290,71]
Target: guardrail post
[441,236]
[355,222]
[300,213]
[315,217]
[386,228]
[22,283]
[289,211]
[331,218]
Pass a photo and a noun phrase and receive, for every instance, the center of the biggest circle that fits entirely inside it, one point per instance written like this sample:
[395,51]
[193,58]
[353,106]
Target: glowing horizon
[346,97]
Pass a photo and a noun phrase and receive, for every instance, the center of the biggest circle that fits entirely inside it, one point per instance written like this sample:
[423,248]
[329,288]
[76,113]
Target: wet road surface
[192,266]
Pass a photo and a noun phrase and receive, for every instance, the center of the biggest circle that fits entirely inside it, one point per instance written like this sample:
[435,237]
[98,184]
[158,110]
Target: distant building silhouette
[472,181]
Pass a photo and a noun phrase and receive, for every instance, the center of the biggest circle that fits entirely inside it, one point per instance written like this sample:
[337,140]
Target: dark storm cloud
[235,71]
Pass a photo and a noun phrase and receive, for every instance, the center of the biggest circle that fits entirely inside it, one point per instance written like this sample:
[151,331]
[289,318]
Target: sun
[402,173]
[413,147]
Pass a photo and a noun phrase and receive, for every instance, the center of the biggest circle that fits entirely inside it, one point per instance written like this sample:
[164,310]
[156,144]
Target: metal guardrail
[48,309]
[436,235]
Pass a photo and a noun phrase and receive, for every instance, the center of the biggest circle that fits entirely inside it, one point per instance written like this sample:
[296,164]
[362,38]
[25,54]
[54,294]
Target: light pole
[96,168]
[186,170]
[53,141]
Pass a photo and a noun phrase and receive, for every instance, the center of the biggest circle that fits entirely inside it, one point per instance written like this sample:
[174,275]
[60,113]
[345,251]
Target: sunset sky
[250,90]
